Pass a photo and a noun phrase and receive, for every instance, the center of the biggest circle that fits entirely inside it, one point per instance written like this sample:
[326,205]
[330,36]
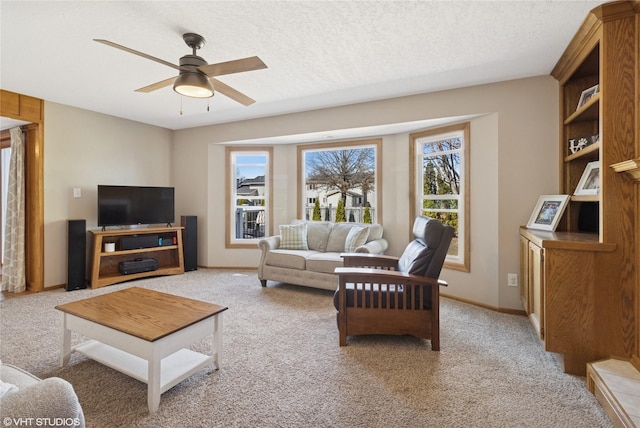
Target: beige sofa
[307,252]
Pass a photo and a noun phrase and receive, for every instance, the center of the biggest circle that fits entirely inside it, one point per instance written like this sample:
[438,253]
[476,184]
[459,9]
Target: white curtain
[5,157]
[13,269]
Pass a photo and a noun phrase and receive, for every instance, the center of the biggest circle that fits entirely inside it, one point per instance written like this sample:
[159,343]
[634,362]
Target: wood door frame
[29,109]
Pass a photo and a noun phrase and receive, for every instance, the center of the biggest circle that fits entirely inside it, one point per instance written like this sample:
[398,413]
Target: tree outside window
[339,181]
[440,174]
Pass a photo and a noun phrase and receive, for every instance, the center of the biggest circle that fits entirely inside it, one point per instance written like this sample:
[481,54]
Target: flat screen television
[133,205]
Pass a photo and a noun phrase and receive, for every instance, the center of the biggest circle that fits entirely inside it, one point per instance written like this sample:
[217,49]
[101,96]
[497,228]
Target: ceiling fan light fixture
[193,84]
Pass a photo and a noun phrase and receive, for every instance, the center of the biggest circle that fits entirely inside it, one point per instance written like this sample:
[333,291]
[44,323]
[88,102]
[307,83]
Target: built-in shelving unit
[105,265]
[579,282]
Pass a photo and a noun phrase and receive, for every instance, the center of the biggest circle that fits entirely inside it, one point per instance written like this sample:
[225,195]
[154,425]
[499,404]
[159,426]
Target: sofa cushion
[338,236]
[293,236]
[324,262]
[356,237]
[318,234]
[293,259]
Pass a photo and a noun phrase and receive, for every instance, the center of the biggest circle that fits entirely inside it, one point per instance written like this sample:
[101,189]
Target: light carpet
[282,366]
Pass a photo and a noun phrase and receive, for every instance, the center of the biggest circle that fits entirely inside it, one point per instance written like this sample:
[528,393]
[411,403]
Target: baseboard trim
[482,305]
[227,267]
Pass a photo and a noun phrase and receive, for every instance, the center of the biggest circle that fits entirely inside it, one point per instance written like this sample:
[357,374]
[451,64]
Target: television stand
[105,265]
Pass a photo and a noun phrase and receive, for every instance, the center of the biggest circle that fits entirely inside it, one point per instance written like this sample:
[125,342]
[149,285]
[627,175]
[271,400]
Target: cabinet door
[524,275]
[536,285]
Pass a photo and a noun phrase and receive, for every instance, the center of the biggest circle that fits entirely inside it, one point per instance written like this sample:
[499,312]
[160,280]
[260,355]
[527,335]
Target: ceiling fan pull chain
[180,105]
[207,105]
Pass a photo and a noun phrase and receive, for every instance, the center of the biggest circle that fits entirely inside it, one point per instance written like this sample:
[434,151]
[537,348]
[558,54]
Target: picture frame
[587,94]
[589,183]
[548,211]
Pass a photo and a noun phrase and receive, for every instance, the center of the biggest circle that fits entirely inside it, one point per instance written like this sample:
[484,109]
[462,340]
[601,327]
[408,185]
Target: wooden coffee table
[143,334]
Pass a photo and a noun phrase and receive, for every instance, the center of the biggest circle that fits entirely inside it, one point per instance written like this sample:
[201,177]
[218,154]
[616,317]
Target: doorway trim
[30,109]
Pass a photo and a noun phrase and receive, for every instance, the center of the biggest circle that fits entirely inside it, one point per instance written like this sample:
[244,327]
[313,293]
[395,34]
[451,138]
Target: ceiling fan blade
[158,85]
[135,52]
[231,93]
[235,66]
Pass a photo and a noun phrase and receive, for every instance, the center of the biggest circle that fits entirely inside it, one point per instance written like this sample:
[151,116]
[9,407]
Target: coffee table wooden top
[143,313]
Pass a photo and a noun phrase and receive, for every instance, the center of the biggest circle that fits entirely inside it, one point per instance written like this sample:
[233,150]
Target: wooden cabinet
[105,265]
[565,297]
[581,281]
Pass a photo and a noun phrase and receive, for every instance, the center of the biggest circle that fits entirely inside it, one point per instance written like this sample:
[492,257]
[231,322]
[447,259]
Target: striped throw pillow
[357,236]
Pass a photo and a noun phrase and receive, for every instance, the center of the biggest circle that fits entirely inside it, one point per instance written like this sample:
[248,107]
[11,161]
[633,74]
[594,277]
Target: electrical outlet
[512,279]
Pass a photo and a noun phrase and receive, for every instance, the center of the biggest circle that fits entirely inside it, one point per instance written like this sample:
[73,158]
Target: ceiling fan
[196,77]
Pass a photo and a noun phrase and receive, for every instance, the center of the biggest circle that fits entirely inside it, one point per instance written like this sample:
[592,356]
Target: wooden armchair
[390,295]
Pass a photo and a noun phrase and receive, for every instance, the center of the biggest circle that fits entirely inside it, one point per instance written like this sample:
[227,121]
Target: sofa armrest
[377,246]
[269,243]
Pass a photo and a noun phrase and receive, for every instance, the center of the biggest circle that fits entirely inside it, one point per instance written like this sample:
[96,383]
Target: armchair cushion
[424,255]
[415,259]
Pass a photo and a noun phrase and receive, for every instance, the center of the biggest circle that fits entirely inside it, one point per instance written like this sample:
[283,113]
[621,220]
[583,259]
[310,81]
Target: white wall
[513,161]
[83,149]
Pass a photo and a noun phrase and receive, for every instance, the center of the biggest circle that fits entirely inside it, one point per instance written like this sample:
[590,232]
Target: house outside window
[343,177]
[440,178]
[248,202]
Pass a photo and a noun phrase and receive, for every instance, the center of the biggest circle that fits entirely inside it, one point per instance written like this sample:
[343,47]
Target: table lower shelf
[174,368]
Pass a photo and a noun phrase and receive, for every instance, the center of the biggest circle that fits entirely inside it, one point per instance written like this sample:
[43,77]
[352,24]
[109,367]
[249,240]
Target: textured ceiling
[319,53]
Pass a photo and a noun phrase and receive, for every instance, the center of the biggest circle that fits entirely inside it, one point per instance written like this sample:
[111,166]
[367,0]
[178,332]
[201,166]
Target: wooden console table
[104,265]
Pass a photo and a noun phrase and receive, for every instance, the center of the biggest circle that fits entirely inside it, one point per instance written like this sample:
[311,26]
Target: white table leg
[65,354]
[153,383]
[217,340]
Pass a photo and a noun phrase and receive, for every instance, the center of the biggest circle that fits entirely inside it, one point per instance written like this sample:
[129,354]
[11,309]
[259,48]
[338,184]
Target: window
[248,201]
[342,179]
[440,179]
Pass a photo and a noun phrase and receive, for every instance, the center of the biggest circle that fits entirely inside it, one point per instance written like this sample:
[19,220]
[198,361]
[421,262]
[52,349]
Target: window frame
[376,143]
[461,262]
[230,179]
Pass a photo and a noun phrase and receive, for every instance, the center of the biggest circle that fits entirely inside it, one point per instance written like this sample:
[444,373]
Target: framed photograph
[587,94]
[589,183]
[548,212]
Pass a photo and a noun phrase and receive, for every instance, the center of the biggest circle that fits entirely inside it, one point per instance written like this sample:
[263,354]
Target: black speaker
[76,254]
[190,241]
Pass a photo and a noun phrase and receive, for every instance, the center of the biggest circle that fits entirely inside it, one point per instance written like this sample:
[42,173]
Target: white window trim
[461,261]
[230,187]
